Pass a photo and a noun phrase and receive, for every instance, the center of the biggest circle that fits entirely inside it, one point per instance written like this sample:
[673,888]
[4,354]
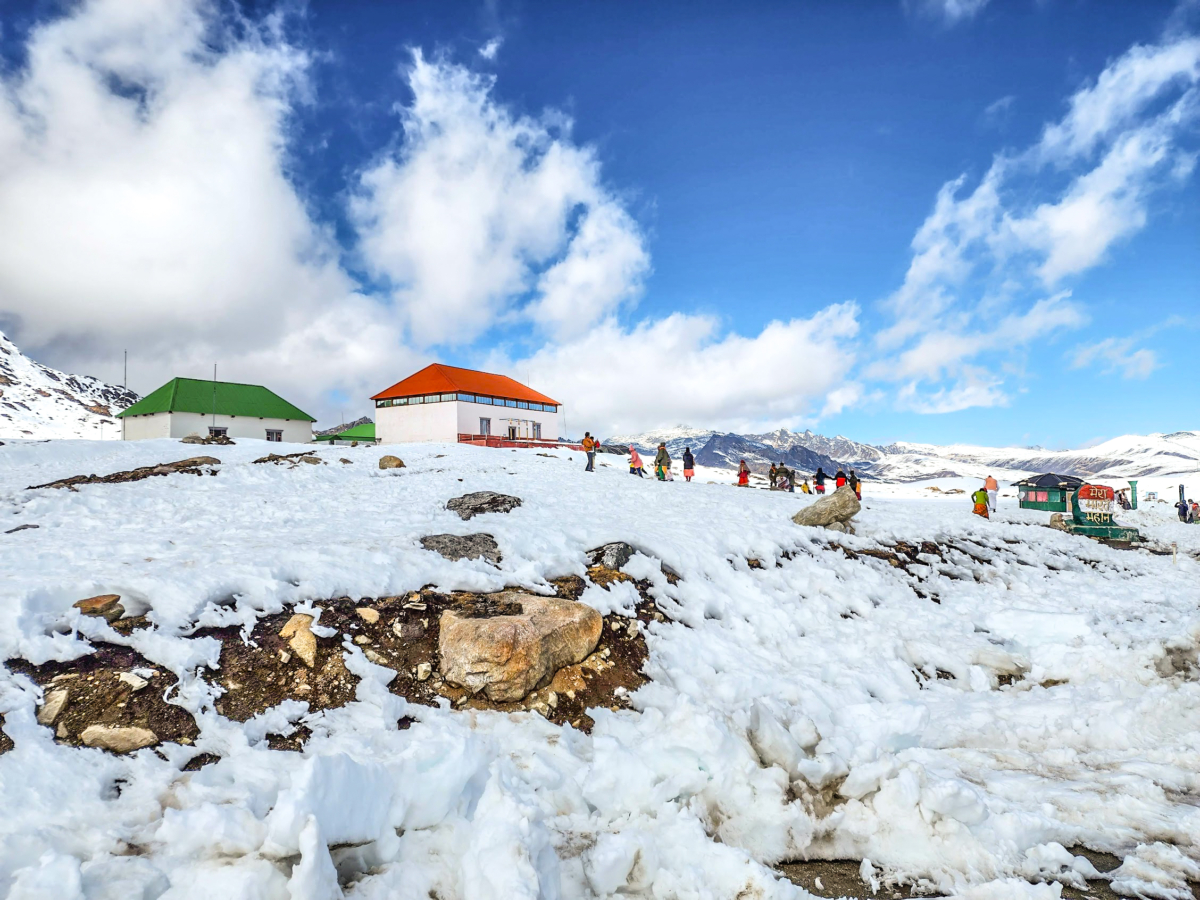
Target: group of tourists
[985,498]
[1189,511]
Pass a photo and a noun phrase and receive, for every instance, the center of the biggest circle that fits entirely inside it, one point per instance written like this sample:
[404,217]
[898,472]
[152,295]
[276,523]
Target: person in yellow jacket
[589,447]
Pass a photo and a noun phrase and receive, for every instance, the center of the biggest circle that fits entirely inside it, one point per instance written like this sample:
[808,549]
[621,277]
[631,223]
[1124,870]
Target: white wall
[422,422]
[181,424]
[446,421]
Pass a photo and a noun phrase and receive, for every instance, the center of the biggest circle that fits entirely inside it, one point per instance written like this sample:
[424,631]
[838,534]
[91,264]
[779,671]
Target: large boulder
[508,655]
[469,505]
[463,546]
[835,510]
[391,462]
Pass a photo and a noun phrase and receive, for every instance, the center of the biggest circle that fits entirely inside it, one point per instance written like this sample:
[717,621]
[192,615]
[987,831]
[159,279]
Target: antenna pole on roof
[214,395]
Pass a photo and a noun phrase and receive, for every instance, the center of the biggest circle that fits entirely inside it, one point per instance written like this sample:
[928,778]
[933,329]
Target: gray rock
[118,738]
[612,556]
[463,546]
[839,507]
[470,505]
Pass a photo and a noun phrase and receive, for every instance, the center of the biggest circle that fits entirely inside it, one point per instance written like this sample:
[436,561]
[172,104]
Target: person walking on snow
[819,480]
[854,484]
[839,479]
[743,474]
[1182,508]
[662,462]
[689,464]
[589,447]
[635,463]
[989,485]
[804,488]
[980,498]
[772,475]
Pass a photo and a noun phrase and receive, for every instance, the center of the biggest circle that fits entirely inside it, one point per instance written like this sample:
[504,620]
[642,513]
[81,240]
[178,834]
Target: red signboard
[1096,492]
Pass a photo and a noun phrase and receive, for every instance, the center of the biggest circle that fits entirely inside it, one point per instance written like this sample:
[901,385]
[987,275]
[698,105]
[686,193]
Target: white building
[186,406]
[444,403]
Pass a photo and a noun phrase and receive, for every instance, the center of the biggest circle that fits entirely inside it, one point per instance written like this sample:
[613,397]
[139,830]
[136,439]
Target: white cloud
[480,207]
[144,201]
[949,11]
[981,251]
[977,387]
[996,114]
[1116,355]
[489,50]
[681,368]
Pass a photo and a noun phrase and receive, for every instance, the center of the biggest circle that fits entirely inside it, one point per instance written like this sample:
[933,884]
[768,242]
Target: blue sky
[715,214]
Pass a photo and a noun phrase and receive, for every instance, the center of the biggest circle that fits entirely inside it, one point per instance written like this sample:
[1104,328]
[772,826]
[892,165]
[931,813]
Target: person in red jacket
[743,474]
[839,479]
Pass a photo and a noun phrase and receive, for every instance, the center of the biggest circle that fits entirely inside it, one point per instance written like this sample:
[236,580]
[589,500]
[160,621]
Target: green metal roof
[363,432]
[196,396]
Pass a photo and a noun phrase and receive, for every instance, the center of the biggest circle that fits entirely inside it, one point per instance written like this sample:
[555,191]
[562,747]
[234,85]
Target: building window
[446,397]
[521,404]
[469,398]
[213,431]
[379,403]
[511,403]
[536,407]
[486,401]
[413,400]
[275,435]
[485,426]
[432,398]
[400,401]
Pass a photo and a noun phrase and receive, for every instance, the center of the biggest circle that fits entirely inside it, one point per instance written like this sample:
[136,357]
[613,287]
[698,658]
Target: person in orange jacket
[743,474]
[989,485]
[589,447]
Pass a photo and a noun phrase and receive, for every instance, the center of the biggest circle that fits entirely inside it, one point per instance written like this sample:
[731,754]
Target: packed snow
[813,706]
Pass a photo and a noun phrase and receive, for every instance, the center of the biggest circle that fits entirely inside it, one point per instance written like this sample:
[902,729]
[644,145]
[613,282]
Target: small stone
[104,606]
[391,462]
[134,681]
[424,670]
[633,626]
[186,740]
[61,732]
[300,638]
[53,704]
[368,615]
[345,461]
[311,460]
[362,639]
[285,657]
[552,699]
[118,738]
[375,657]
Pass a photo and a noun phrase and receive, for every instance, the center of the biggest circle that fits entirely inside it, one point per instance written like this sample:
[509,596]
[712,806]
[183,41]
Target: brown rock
[391,462]
[311,460]
[300,638]
[507,656]
[839,507]
[105,606]
[368,615]
[54,704]
[118,738]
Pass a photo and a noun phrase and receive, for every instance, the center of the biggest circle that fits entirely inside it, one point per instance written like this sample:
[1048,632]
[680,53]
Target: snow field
[796,710]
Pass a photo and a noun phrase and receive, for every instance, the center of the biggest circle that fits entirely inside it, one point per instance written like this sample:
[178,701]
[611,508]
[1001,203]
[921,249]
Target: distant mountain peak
[39,402]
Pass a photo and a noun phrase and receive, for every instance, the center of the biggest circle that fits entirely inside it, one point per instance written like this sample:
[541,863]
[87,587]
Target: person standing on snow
[689,464]
[854,484]
[980,498]
[662,462]
[804,488]
[635,463]
[989,485]
[743,474]
[819,480]
[839,479]
[589,447]
[772,474]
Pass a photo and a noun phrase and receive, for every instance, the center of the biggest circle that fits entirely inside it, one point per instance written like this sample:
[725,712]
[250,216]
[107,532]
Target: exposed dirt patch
[838,878]
[6,743]
[197,465]
[103,688]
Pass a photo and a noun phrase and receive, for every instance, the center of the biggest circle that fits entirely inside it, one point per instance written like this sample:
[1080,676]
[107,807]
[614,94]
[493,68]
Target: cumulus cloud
[144,201]
[482,215]
[684,368]
[984,250]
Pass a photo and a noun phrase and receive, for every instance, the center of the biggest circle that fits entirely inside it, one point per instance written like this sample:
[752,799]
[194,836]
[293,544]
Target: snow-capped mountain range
[39,402]
[1129,456]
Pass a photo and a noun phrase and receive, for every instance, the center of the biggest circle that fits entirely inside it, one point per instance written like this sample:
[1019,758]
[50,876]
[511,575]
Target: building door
[275,435]
[537,431]
[214,431]
[512,431]
[485,426]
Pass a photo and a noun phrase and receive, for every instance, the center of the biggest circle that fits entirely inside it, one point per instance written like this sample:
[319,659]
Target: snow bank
[957,723]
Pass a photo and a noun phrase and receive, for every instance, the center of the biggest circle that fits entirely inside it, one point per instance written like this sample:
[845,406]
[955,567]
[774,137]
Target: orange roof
[439,379]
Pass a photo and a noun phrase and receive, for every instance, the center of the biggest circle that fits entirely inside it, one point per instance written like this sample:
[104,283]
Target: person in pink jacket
[635,463]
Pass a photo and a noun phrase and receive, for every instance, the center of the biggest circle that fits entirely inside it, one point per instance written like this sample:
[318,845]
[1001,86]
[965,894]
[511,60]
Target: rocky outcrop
[611,556]
[508,655]
[196,465]
[391,462]
[104,606]
[298,633]
[480,502]
[833,512]
[118,738]
[221,439]
[465,546]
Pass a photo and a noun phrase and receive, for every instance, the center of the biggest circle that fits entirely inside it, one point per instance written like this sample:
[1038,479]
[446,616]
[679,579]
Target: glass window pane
[449,396]
[432,398]
[511,403]
[400,401]
[486,401]
[469,398]
[521,404]
[413,400]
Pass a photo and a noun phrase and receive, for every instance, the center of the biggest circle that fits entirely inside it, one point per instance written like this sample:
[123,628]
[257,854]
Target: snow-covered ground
[816,707]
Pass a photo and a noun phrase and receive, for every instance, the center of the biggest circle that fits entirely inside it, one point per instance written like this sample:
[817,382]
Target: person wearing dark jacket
[1182,508]
[839,479]
[819,480]
[772,474]
[689,464]
[854,482]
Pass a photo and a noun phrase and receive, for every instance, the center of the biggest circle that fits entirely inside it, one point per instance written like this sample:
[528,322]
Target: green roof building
[363,434]
[190,406]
